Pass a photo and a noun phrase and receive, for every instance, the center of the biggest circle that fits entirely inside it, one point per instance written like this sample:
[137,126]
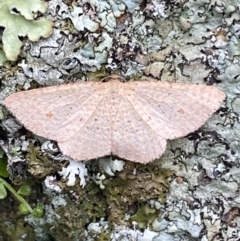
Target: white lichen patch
[92,16]
[72,170]
[51,183]
[98,179]
[111,166]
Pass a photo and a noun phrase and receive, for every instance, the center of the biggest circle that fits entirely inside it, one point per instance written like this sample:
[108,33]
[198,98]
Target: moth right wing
[93,139]
[56,112]
[74,115]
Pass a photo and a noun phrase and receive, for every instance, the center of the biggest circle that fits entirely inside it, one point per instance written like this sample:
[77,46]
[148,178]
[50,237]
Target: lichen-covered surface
[192,191]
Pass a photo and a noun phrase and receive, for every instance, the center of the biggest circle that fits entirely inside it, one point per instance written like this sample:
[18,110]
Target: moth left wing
[171,109]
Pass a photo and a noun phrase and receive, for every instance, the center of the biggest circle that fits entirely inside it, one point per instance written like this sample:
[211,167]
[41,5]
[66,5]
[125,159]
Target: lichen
[19,20]
[74,168]
[111,166]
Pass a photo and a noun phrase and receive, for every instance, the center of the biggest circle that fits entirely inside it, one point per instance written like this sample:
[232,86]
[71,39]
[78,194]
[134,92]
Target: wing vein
[147,125]
[94,110]
[113,123]
[177,104]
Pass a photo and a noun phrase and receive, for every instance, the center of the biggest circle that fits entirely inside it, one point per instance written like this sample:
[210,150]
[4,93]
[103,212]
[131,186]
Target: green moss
[125,194]
[145,215]
[127,189]
[40,165]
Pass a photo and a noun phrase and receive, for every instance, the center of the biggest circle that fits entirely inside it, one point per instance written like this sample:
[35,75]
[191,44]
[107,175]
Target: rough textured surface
[132,120]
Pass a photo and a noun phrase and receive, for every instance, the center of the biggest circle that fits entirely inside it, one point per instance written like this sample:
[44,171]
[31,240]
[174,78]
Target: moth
[132,120]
